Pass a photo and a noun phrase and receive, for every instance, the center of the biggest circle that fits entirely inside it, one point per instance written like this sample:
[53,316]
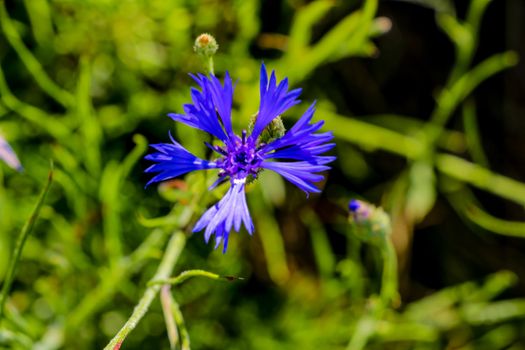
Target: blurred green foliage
[79,80]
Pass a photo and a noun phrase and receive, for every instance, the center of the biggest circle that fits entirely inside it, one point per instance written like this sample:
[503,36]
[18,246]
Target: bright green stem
[480,177]
[211,68]
[472,135]
[389,294]
[171,308]
[189,274]
[173,251]
[465,203]
[179,320]
[26,230]
[373,137]
[31,63]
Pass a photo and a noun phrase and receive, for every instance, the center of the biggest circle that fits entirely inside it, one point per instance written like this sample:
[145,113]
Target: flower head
[296,155]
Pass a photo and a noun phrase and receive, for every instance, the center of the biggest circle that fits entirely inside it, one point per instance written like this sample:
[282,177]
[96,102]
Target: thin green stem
[179,320]
[464,202]
[465,171]
[388,293]
[189,274]
[211,67]
[373,137]
[472,135]
[174,320]
[166,301]
[26,230]
[173,251]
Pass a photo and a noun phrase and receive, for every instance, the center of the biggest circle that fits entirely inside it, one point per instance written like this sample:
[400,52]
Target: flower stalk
[173,251]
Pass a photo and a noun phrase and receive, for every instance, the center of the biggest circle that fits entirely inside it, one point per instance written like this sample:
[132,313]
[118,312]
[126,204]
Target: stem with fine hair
[173,251]
[174,320]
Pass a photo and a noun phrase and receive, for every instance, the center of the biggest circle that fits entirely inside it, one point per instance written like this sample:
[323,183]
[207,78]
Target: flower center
[241,159]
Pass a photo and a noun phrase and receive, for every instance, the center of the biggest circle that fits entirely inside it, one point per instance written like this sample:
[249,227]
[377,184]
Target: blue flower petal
[173,160]
[223,99]
[228,213]
[302,134]
[8,155]
[213,98]
[301,143]
[275,100]
[302,174]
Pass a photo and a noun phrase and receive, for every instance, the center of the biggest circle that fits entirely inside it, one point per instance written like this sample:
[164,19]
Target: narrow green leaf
[26,230]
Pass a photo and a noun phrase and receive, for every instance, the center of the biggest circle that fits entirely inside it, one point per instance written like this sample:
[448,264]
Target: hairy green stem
[189,274]
[173,251]
[166,301]
[174,320]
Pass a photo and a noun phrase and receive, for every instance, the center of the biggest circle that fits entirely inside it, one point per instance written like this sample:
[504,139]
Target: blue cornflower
[243,157]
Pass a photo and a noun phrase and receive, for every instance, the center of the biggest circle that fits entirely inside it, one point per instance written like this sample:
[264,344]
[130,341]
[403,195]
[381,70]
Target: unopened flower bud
[271,132]
[205,45]
[369,223]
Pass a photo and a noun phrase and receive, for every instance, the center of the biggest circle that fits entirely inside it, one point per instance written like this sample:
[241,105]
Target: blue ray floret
[297,155]
[8,155]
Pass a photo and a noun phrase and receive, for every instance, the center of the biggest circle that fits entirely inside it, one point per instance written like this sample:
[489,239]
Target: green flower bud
[273,131]
[205,45]
[369,223]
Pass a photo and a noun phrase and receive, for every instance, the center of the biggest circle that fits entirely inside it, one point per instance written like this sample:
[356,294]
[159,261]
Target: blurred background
[425,100]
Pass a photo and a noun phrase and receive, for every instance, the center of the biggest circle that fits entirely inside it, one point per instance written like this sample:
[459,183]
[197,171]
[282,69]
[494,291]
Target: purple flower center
[241,158]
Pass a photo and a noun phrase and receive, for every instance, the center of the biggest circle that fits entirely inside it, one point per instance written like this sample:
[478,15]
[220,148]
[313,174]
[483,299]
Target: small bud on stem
[206,46]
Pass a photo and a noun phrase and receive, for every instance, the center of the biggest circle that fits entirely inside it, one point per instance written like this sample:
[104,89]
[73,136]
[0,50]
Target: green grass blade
[26,230]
